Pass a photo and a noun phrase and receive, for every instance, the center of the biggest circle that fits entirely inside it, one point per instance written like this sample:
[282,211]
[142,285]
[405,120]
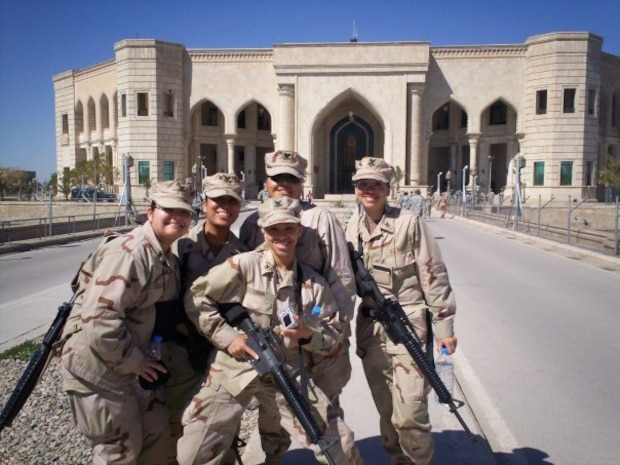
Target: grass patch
[21,352]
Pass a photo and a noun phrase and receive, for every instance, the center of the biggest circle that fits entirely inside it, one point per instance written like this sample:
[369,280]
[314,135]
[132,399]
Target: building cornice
[482,51]
[384,69]
[230,56]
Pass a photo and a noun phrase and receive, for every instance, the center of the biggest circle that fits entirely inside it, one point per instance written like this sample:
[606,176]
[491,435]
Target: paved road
[540,328]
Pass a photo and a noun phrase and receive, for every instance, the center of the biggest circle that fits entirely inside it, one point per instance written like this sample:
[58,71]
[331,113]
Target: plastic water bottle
[444,365]
[155,353]
[313,319]
[155,348]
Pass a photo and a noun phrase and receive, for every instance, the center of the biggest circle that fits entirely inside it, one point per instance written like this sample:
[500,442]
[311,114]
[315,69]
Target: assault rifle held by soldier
[262,341]
[36,366]
[400,330]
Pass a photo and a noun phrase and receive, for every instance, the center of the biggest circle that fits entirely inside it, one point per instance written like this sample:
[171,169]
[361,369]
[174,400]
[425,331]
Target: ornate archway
[350,139]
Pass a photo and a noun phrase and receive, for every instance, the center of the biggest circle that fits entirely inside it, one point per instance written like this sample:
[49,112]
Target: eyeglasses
[369,185]
[285,178]
[173,211]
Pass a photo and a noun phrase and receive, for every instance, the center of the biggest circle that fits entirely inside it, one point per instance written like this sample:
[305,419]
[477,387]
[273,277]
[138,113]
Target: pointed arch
[91,114]
[104,106]
[346,129]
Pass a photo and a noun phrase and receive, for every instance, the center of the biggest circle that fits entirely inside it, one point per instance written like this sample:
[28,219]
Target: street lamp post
[448,177]
[439,182]
[95,191]
[463,190]
[490,172]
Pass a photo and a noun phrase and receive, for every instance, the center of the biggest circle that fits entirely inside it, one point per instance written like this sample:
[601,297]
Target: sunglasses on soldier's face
[285,178]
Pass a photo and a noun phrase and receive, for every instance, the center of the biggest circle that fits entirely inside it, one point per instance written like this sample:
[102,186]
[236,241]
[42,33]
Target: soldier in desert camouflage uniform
[264,283]
[404,259]
[323,248]
[207,244]
[110,330]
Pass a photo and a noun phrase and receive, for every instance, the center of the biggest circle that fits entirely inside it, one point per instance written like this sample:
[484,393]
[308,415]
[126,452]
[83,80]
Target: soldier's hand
[240,350]
[447,342]
[300,332]
[149,369]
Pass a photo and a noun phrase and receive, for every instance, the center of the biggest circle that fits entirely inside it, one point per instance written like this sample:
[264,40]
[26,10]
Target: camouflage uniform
[405,260]
[196,258]
[416,204]
[323,248]
[253,280]
[105,342]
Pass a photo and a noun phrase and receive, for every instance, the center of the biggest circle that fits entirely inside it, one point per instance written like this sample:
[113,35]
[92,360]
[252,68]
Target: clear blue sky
[41,38]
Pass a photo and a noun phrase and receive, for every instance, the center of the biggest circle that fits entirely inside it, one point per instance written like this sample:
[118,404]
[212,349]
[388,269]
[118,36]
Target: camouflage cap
[277,210]
[222,184]
[171,194]
[282,162]
[373,168]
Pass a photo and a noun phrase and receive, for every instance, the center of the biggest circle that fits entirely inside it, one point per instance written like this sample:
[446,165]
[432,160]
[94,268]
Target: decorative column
[286,131]
[474,139]
[230,146]
[415,130]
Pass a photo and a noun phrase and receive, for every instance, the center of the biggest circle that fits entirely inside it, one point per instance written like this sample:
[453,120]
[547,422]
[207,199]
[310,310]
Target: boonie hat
[282,162]
[171,194]
[277,210]
[222,184]
[373,168]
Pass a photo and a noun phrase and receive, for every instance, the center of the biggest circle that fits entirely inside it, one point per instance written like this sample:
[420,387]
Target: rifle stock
[262,342]
[36,366]
[400,331]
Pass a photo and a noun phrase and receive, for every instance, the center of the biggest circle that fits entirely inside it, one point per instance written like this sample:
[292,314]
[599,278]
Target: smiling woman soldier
[121,285]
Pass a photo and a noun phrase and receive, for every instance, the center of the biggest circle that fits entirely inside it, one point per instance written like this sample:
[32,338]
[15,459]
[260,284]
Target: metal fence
[40,228]
[581,222]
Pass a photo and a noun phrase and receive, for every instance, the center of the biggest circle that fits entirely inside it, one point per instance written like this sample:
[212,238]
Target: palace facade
[553,103]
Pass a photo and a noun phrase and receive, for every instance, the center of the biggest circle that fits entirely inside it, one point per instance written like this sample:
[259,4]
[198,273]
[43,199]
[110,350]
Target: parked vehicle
[86,194]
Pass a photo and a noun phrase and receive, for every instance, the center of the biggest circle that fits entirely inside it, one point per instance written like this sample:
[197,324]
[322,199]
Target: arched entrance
[350,139]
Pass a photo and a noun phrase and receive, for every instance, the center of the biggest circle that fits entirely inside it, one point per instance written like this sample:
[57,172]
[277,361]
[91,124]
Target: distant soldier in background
[417,203]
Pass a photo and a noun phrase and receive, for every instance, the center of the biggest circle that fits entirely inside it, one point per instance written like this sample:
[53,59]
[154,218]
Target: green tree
[66,182]
[147,183]
[13,182]
[398,177]
[610,176]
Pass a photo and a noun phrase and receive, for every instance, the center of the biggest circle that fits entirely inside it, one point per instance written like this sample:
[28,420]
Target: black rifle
[400,330]
[36,366]
[262,342]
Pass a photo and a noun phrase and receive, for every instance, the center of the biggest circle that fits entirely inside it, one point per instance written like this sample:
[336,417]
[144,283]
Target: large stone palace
[451,115]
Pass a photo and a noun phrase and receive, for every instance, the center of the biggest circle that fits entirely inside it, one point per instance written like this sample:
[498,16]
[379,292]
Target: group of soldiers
[291,271]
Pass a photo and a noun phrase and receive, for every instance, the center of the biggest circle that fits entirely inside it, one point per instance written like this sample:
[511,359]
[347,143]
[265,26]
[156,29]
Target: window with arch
[209,114]
[497,113]
[263,122]
[241,120]
[441,118]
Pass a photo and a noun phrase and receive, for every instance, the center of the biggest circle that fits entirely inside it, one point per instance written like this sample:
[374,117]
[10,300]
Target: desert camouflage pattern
[106,341]
[253,280]
[323,248]
[197,257]
[405,260]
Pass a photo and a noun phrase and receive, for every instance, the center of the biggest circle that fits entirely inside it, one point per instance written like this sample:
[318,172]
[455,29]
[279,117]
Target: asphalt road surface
[540,330]
[537,338]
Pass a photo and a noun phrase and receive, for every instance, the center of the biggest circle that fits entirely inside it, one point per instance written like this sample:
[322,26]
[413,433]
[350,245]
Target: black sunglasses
[285,178]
